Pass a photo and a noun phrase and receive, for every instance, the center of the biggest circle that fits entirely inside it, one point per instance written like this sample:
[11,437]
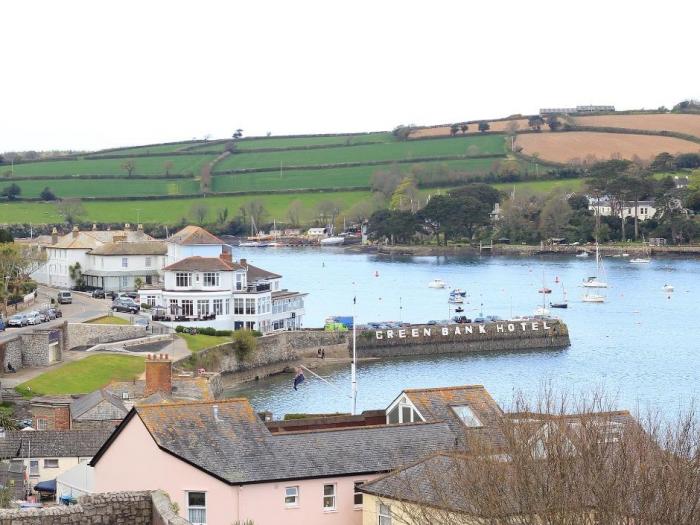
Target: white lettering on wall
[511,327]
[445,331]
[499,327]
[379,335]
[523,325]
[457,331]
[402,333]
[427,332]
[389,334]
[468,329]
[482,329]
[545,326]
[535,326]
[414,332]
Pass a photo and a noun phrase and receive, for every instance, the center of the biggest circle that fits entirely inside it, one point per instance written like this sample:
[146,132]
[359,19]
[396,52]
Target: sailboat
[542,311]
[598,280]
[564,303]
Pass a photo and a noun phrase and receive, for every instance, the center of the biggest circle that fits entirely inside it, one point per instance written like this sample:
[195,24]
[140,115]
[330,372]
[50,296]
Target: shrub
[145,306]
[244,344]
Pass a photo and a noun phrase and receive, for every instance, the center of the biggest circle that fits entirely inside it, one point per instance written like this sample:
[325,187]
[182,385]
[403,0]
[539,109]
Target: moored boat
[640,260]
[436,283]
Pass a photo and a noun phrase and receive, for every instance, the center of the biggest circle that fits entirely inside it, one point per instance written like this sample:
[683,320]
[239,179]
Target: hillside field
[296,142]
[108,187]
[680,123]
[572,146]
[498,126]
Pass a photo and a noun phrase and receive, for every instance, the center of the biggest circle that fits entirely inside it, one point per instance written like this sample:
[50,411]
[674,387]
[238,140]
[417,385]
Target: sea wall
[274,353]
[455,338]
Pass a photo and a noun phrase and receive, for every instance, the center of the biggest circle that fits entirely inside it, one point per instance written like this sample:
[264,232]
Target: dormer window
[402,411]
[467,416]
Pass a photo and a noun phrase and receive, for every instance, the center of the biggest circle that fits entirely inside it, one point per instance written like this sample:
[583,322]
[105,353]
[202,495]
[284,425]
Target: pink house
[220,462]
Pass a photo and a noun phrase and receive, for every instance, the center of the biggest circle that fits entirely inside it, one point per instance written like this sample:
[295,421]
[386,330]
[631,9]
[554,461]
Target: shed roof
[202,264]
[89,401]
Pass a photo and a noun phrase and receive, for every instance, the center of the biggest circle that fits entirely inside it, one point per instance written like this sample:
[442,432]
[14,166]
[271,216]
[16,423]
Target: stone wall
[274,353]
[89,334]
[135,508]
[32,348]
[163,513]
[476,337]
[12,353]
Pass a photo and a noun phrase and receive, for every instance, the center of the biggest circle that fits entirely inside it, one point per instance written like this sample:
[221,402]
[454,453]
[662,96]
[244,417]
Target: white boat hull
[595,284]
[593,299]
[332,241]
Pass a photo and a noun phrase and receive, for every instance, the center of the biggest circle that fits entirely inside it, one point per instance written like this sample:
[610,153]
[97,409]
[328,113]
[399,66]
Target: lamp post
[353,370]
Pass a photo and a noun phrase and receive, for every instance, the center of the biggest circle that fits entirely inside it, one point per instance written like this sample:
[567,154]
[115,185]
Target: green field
[352,177]
[142,150]
[85,375]
[145,167]
[63,188]
[291,142]
[483,144]
[108,319]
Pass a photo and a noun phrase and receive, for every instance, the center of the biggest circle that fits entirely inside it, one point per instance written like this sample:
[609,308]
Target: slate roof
[435,404]
[192,235]
[93,238]
[91,400]
[235,446]
[257,274]
[131,248]
[202,264]
[52,443]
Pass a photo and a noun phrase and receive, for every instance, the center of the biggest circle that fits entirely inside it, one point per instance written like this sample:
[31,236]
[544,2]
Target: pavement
[83,308]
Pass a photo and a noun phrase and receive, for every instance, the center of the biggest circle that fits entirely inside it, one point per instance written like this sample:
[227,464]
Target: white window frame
[293,494]
[211,279]
[41,423]
[334,497]
[33,472]
[185,277]
[217,306]
[125,281]
[383,514]
[125,262]
[196,507]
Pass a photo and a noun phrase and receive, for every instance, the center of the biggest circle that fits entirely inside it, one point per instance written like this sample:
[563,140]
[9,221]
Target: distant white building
[605,207]
[577,109]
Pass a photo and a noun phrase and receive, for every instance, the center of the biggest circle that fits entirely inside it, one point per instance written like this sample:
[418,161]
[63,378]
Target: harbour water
[641,345]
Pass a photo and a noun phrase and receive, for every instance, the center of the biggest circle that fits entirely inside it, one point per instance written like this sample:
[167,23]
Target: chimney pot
[127,226]
[94,227]
[75,232]
[140,227]
[54,235]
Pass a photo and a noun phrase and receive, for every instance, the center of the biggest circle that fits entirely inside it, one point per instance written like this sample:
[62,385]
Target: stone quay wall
[88,334]
[455,338]
[274,353]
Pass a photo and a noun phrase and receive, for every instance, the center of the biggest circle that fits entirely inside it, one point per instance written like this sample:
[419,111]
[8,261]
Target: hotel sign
[464,329]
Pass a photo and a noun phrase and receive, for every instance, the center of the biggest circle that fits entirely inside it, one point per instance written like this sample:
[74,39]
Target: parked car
[65,297]
[48,313]
[124,305]
[98,293]
[141,321]
[33,317]
[18,320]
[56,312]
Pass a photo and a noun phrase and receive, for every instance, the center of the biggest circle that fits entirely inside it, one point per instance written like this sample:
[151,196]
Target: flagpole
[354,355]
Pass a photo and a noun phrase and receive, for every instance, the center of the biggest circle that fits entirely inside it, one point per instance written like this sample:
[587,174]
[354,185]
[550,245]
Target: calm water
[641,346]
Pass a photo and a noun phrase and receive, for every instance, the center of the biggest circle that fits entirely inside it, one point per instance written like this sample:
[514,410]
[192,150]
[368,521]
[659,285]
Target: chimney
[54,236]
[94,227]
[226,257]
[140,228]
[127,227]
[244,263]
[159,374]
[75,232]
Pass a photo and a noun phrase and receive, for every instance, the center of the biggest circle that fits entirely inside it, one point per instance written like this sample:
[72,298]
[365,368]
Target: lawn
[109,187]
[108,319]
[144,167]
[352,177]
[199,342]
[85,375]
[482,144]
[297,142]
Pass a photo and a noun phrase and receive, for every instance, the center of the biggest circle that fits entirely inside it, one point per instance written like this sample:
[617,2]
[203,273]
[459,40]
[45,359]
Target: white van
[65,297]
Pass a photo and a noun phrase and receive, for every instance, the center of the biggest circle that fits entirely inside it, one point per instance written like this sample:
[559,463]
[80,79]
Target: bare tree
[199,213]
[129,166]
[386,182]
[255,209]
[294,211]
[71,210]
[559,460]
[222,216]
[327,211]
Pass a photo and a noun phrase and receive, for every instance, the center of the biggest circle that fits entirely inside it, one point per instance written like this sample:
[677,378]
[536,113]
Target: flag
[298,379]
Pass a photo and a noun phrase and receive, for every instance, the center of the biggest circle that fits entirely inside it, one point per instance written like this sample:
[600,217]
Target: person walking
[323,353]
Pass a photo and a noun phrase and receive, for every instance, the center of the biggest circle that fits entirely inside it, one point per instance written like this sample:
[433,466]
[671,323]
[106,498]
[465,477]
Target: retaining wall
[475,337]
[88,334]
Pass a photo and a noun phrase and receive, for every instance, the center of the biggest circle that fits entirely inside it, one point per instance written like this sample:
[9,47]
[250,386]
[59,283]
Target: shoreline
[525,250]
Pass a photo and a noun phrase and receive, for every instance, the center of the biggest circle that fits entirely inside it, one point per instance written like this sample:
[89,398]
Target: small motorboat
[458,291]
[558,305]
[436,283]
[593,298]
[668,288]
[459,309]
[332,241]
[581,255]
[541,312]
[544,290]
[640,260]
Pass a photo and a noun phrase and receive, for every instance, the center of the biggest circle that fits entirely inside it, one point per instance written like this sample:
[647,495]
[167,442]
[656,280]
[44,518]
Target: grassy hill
[315,168]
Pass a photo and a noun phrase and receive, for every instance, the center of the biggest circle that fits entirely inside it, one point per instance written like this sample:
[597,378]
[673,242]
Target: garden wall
[88,334]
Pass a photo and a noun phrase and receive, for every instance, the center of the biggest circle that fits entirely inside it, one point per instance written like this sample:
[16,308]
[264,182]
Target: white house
[605,207]
[203,286]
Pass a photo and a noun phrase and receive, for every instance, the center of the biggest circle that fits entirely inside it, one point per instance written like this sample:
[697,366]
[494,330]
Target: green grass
[145,167]
[108,319]
[483,144]
[199,342]
[291,142]
[543,186]
[108,187]
[353,177]
[85,375]
[162,148]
